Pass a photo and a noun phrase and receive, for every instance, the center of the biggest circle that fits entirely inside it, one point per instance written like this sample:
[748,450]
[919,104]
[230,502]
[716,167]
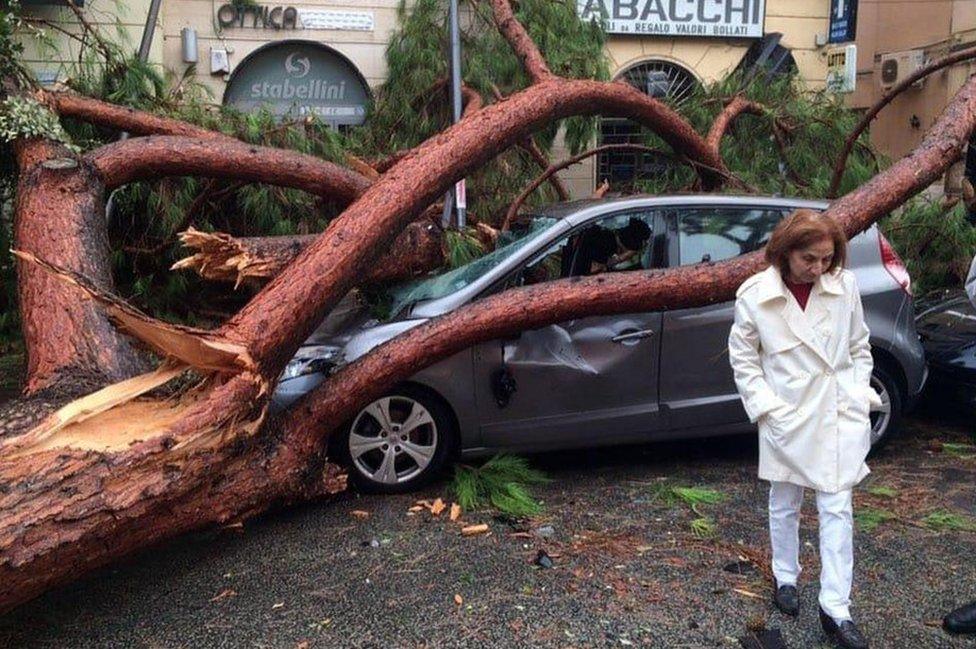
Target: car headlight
[312,360]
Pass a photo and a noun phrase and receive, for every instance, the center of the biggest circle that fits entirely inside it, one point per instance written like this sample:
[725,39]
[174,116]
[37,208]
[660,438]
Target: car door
[584,382]
[696,386]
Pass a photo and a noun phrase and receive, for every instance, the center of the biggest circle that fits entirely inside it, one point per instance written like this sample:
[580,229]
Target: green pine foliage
[868,519]
[502,483]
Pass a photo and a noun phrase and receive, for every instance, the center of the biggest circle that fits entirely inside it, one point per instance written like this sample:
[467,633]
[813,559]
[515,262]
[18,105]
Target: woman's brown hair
[803,228]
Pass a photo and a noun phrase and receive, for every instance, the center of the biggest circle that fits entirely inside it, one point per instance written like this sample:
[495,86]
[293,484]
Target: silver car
[593,381]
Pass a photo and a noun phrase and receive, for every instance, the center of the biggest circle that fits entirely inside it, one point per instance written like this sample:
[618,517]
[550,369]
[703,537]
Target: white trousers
[836,543]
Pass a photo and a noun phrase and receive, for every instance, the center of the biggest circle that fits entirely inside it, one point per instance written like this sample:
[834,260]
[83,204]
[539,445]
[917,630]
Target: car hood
[353,329]
[947,327]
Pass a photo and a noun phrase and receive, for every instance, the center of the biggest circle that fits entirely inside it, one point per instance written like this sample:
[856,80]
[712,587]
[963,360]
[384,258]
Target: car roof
[580,210]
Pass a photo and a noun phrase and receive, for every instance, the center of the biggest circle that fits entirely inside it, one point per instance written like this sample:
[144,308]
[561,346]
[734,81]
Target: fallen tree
[128,466]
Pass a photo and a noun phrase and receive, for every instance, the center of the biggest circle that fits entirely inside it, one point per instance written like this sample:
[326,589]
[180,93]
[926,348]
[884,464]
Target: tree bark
[65,336]
[155,156]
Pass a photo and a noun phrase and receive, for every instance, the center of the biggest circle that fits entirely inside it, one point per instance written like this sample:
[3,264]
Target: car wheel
[398,442]
[885,423]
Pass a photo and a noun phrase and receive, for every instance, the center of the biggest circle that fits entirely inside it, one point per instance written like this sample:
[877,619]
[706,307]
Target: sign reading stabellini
[296,78]
[695,18]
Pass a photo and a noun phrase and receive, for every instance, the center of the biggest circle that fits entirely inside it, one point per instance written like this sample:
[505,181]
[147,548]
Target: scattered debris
[360,514]
[747,593]
[416,508]
[372,543]
[458,599]
[545,531]
[472,530]
[502,482]
[543,560]
[277,605]
[455,511]
[224,594]
[944,521]
[869,518]
[884,492]
[437,507]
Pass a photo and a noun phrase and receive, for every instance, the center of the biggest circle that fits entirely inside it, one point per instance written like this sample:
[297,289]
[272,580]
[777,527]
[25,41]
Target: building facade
[894,38]
[327,56]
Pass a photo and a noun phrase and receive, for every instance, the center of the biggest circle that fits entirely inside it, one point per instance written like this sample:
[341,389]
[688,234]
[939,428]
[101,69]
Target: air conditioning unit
[895,66]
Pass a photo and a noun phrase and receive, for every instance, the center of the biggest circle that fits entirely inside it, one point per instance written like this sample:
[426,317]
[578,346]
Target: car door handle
[632,336]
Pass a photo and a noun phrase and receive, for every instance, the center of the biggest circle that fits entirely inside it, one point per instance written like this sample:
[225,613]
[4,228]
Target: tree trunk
[66,336]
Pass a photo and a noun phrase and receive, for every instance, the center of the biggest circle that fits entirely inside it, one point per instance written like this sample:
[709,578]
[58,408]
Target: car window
[611,244]
[718,233]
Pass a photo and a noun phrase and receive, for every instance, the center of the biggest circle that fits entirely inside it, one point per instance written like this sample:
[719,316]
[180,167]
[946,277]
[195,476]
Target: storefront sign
[843,21]
[703,18]
[294,78]
[842,68]
[257,16]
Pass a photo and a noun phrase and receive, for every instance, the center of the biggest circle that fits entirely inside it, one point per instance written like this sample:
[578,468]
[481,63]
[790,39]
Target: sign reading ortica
[702,18]
[232,15]
[300,78]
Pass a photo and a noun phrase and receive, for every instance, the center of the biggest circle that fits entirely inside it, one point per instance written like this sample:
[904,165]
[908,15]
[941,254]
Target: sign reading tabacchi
[702,18]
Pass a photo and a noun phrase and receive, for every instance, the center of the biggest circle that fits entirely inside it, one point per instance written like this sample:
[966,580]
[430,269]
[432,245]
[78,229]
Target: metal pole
[458,194]
[147,33]
[144,45]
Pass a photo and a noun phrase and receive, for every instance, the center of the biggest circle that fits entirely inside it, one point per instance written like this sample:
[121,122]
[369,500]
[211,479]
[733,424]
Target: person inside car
[630,241]
[802,364]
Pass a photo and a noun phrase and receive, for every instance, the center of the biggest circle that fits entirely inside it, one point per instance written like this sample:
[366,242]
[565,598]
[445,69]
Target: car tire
[367,443]
[885,424]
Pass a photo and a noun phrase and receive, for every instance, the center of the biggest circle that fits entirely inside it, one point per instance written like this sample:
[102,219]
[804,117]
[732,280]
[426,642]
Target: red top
[800,291]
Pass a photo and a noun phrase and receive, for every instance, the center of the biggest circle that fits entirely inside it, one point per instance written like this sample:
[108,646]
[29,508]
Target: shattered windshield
[438,286]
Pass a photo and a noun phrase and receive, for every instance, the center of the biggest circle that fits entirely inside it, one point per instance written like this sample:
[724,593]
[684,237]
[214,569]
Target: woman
[802,363]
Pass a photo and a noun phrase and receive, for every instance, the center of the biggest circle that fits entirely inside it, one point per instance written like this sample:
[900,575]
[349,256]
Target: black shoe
[961,620]
[787,600]
[846,634]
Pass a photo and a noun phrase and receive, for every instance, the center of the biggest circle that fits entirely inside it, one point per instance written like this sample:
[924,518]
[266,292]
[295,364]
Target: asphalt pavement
[627,569]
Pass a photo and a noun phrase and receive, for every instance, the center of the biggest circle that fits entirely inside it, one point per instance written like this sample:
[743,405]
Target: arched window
[659,79]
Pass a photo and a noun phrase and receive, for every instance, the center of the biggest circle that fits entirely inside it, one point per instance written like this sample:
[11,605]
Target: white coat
[804,377]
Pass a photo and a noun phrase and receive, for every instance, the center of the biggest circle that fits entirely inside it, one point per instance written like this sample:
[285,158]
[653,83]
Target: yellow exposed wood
[81,410]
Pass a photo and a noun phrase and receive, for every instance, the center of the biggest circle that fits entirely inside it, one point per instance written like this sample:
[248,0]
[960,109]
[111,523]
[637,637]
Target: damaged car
[592,381]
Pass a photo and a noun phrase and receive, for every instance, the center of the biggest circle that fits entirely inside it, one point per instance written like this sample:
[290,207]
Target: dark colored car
[947,328]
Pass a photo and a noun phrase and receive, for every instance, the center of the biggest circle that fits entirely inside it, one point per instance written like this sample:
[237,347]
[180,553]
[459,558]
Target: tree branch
[887,98]
[221,257]
[155,156]
[513,209]
[723,120]
[523,45]
[130,120]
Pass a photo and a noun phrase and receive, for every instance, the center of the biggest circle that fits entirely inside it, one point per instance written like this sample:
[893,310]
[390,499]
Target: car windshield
[431,288]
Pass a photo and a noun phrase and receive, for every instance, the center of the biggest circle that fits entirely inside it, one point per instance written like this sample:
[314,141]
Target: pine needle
[502,482]
[868,519]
